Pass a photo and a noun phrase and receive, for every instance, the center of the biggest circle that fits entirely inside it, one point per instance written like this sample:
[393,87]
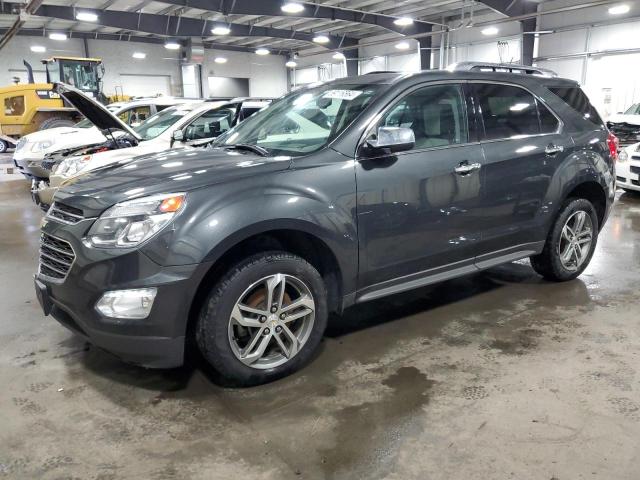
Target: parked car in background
[32,148]
[186,125]
[332,196]
[628,168]
[626,125]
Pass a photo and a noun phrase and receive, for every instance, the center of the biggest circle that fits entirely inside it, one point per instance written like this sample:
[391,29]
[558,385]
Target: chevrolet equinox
[334,195]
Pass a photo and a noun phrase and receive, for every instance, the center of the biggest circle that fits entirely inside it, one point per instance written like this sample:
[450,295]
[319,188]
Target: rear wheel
[3,146]
[264,319]
[55,122]
[570,243]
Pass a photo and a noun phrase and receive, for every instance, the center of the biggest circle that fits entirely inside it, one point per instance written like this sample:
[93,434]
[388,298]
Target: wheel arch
[298,237]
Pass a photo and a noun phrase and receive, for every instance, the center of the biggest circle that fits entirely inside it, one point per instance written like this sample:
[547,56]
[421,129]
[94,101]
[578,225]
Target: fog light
[135,304]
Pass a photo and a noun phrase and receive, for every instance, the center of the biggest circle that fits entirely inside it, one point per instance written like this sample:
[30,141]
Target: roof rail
[501,67]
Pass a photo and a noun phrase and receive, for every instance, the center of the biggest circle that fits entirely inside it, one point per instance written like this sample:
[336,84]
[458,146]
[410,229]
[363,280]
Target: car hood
[622,118]
[94,111]
[55,133]
[171,171]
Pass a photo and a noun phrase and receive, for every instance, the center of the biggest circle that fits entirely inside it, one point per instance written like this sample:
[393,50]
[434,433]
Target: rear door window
[576,99]
[507,111]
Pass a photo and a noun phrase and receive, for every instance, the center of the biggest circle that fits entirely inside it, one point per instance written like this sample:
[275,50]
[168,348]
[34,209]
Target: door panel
[415,213]
[522,150]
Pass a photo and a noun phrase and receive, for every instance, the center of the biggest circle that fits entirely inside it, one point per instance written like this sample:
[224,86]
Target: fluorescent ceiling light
[38,49]
[220,60]
[86,17]
[619,9]
[262,51]
[292,7]
[291,64]
[139,55]
[338,56]
[403,21]
[490,31]
[321,39]
[402,45]
[172,46]
[58,36]
[221,30]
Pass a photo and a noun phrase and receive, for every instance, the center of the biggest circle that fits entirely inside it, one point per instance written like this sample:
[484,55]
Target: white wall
[604,57]
[267,74]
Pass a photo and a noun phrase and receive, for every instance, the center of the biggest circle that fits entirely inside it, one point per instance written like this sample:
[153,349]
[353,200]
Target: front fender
[217,218]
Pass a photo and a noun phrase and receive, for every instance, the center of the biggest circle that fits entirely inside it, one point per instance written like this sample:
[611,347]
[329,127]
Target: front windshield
[303,122]
[633,110]
[84,123]
[161,121]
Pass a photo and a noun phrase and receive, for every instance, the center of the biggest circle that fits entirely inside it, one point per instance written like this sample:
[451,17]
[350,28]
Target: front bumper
[31,167]
[628,173]
[156,341]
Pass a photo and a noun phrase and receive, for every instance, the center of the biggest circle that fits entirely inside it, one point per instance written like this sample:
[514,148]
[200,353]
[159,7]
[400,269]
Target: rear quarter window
[578,101]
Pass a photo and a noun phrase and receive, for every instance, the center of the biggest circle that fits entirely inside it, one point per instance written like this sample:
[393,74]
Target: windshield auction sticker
[342,94]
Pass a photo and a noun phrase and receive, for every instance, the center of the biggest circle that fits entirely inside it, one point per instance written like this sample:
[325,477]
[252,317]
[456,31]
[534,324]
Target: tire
[222,340]
[550,263]
[3,146]
[55,122]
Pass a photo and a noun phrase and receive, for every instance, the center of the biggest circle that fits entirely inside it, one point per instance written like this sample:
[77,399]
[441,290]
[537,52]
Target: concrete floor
[495,376]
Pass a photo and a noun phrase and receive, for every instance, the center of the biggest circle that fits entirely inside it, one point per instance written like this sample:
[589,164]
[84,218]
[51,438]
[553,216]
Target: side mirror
[393,139]
[177,136]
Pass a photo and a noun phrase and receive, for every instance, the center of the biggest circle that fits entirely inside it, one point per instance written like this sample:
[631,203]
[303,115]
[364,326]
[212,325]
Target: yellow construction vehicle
[30,107]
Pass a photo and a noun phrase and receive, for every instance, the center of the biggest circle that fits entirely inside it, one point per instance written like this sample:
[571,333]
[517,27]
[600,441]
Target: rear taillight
[614,144]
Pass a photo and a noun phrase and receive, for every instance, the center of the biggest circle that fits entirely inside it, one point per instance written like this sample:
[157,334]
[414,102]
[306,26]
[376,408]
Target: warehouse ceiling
[252,23]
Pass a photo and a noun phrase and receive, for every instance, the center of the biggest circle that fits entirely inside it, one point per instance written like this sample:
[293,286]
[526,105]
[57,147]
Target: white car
[32,148]
[626,125]
[628,168]
[187,125]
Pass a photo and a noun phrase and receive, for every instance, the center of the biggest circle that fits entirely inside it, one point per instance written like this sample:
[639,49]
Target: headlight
[623,156]
[40,146]
[129,223]
[72,165]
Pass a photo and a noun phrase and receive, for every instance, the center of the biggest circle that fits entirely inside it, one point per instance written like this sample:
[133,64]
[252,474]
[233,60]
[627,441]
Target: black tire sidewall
[571,206]
[212,330]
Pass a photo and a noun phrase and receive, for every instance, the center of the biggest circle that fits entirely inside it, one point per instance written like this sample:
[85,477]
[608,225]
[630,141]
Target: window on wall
[436,114]
[509,111]
[14,105]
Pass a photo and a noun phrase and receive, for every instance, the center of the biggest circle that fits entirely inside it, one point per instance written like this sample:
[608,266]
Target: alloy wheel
[575,241]
[271,321]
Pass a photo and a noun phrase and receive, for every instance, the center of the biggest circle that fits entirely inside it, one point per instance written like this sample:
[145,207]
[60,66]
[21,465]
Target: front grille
[621,179]
[65,213]
[56,257]
[635,169]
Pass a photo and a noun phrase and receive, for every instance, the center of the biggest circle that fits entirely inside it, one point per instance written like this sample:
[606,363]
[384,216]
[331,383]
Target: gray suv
[332,196]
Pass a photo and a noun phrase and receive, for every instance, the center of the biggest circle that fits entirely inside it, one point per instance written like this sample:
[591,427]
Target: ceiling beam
[176,26]
[512,8]
[271,8]
[23,15]
[137,39]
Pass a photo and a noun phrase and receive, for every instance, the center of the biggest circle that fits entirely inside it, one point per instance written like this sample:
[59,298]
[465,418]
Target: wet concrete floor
[494,376]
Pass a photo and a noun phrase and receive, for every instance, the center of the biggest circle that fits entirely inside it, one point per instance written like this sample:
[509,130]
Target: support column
[425,52]
[351,59]
[526,54]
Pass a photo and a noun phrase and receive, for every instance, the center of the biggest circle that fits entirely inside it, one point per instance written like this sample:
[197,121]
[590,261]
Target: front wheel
[3,146]
[264,319]
[570,243]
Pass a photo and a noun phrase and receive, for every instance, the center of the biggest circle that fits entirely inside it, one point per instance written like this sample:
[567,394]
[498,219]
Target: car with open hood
[32,148]
[187,125]
[626,125]
[334,195]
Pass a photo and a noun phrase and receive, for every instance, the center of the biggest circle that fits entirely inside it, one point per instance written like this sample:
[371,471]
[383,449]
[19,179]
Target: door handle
[553,149]
[466,168]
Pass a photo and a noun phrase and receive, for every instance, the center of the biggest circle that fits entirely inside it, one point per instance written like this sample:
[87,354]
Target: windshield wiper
[263,152]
